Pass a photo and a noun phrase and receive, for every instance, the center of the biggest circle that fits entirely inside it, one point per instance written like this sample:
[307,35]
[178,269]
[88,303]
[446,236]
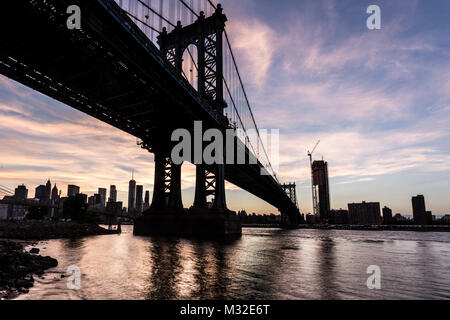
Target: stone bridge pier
[168,217]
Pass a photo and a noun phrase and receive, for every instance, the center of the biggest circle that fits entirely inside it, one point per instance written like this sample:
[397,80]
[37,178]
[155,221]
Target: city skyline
[211,153]
[383,124]
[23,189]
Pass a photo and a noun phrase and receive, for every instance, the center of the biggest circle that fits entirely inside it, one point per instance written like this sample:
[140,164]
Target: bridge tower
[207,35]
[166,215]
[291,192]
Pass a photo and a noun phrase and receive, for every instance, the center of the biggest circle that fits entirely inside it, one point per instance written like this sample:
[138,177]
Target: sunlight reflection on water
[264,264]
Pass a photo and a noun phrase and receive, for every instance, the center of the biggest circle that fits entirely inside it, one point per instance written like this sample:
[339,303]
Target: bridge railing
[151,16]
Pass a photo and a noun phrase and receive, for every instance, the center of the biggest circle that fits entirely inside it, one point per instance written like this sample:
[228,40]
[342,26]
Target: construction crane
[314,193]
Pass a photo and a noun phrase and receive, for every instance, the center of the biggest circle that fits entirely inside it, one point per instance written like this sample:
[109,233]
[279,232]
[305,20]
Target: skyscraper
[102,195]
[132,194]
[321,188]
[72,190]
[55,195]
[419,211]
[54,200]
[112,194]
[147,200]
[387,215]
[21,193]
[40,193]
[429,216]
[48,190]
[139,195]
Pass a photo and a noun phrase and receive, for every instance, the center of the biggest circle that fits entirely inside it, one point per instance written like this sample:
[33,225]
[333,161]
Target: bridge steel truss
[207,35]
[110,70]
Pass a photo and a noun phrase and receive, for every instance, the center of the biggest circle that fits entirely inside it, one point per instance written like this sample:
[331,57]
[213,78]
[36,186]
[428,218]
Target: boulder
[34,251]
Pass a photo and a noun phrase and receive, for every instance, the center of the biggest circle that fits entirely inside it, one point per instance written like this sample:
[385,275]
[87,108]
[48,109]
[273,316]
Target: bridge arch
[190,65]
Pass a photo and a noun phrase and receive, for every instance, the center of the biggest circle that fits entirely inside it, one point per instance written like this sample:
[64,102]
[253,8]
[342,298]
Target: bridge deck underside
[110,71]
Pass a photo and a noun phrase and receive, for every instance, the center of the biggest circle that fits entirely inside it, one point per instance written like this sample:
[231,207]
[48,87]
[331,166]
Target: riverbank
[431,228]
[17,268]
[43,230]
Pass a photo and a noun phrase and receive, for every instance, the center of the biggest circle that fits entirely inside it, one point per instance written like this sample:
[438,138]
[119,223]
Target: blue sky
[378,100]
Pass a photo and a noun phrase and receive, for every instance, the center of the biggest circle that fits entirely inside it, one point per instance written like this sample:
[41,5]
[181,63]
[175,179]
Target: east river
[263,264]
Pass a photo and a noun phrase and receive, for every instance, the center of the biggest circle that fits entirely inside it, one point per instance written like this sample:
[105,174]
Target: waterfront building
[112,194]
[311,219]
[446,219]
[419,211]
[365,213]
[147,200]
[139,197]
[429,216]
[102,195]
[132,194]
[398,218]
[387,215]
[338,217]
[321,188]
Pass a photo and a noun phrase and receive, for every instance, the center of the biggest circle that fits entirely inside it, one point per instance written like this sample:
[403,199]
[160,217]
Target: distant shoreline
[431,228]
[45,230]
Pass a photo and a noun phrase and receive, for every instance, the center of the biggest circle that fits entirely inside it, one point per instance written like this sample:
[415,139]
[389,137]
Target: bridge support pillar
[290,218]
[159,188]
[166,216]
[167,186]
[210,181]
[220,197]
[175,197]
[200,201]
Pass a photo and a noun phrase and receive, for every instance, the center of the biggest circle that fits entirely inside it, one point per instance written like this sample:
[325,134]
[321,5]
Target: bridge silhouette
[147,68]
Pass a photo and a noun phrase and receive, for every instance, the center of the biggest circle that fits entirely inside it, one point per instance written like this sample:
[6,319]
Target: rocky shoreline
[44,230]
[17,268]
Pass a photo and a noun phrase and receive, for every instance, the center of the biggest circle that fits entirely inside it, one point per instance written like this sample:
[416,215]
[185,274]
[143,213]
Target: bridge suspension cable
[4,190]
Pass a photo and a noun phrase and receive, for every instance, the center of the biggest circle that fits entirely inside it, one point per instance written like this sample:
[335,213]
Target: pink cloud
[254,43]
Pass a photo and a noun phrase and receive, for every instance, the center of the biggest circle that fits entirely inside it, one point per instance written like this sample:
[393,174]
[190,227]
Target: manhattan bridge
[147,67]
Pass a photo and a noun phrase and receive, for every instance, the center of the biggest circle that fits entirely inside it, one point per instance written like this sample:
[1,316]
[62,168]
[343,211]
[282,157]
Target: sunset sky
[379,101]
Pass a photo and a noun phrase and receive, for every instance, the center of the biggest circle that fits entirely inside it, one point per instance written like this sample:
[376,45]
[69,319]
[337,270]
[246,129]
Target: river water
[264,264]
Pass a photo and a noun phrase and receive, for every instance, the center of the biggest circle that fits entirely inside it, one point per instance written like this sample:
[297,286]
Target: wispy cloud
[378,100]
[256,43]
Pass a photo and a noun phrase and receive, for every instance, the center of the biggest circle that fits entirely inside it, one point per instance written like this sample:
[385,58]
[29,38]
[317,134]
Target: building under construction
[321,190]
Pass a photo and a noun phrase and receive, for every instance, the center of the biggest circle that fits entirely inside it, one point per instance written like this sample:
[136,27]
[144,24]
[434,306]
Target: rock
[23,290]
[24,283]
[17,268]
[34,251]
